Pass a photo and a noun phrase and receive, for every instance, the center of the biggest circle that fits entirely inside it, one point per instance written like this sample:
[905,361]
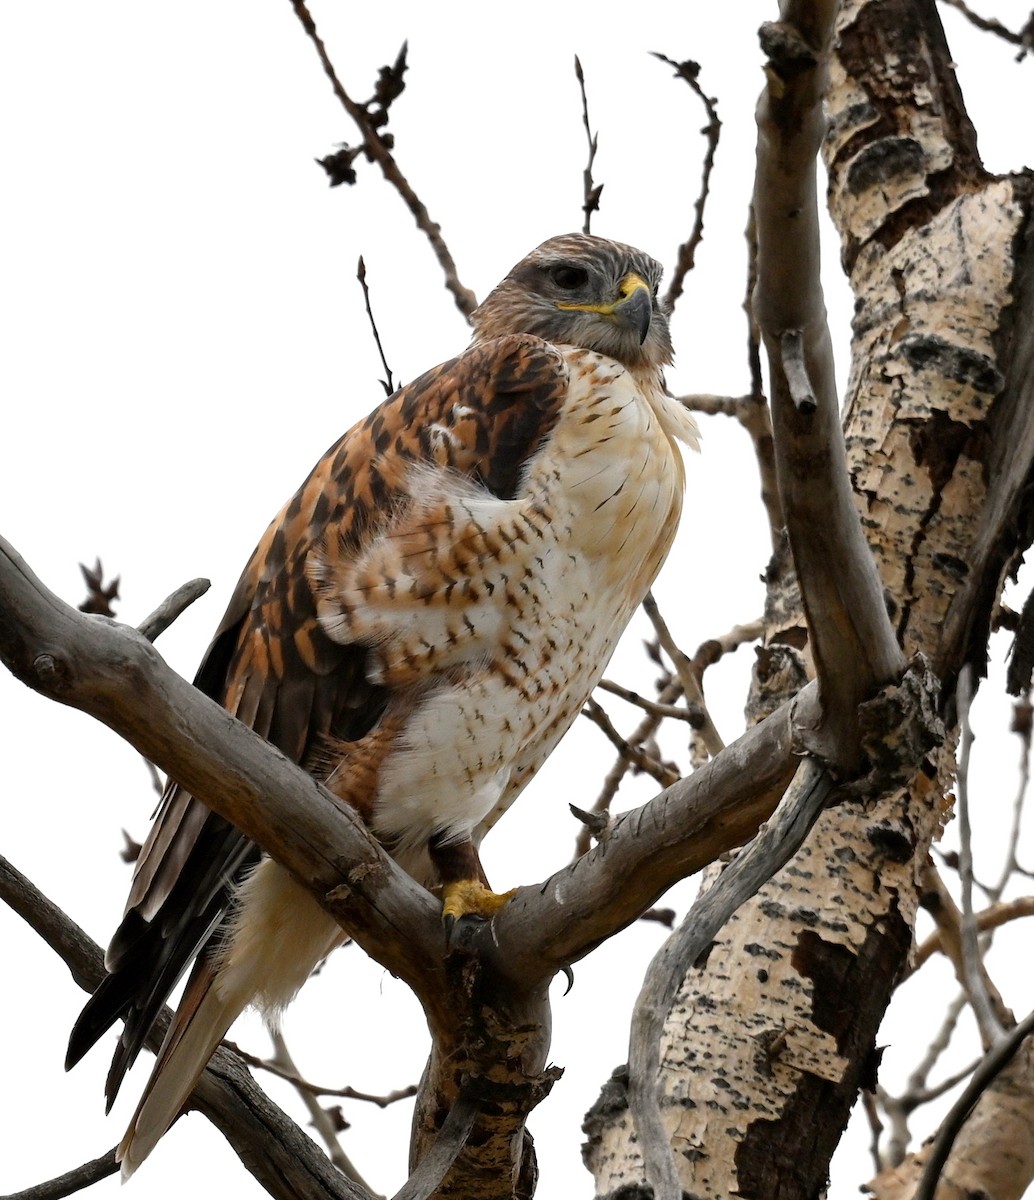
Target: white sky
[183,336]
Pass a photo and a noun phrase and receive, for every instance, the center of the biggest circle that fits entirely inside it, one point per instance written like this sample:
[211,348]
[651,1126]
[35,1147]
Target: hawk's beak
[636,305]
[633,307]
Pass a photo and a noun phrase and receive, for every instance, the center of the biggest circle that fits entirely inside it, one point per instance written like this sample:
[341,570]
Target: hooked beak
[636,308]
[633,307]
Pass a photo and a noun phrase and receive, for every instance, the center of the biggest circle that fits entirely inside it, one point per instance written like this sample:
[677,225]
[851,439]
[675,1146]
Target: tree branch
[71,1181]
[994,1062]
[852,641]
[374,145]
[271,1146]
[689,71]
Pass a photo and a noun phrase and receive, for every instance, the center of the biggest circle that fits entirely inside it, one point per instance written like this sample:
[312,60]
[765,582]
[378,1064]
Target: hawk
[418,628]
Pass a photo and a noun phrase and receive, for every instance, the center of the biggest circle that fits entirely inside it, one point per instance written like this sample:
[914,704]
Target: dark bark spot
[930,352]
[882,160]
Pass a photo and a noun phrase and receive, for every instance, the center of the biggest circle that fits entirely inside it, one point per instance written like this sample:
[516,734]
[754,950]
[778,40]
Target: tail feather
[273,939]
[202,1019]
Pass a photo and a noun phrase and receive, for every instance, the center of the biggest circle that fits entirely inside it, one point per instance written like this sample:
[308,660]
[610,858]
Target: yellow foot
[470,898]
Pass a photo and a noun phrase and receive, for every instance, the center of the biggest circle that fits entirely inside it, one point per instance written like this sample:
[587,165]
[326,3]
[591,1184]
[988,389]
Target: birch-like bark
[769,1040]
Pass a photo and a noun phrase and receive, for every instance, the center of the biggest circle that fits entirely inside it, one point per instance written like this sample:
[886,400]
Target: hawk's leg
[465,890]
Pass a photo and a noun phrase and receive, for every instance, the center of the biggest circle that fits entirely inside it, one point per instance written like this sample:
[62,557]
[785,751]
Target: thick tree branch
[852,641]
[111,672]
[280,1156]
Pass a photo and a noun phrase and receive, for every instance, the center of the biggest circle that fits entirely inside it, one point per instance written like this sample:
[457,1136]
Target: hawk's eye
[568,277]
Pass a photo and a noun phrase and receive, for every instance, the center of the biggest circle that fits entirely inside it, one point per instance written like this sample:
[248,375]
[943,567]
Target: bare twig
[898,1108]
[992,917]
[972,975]
[668,693]
[387,382]
[72,1181]
[635,755]
[1024,39]
[753,414]
[172,607]
[278,1066]
[688,676]
[776,842]
[689,72]
[713,406]
[376,148]
[1021,654]
[591,191]
[1021,725]
[657,709]
[994,1061]
[283,1065]
[975,978]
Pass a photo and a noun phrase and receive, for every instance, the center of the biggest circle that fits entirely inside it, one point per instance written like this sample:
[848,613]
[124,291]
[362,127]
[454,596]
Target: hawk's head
[584,291]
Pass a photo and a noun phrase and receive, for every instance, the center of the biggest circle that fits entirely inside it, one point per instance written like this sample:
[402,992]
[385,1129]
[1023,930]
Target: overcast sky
[183,336]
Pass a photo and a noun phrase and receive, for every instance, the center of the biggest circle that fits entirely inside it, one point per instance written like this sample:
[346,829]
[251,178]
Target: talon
[470,898]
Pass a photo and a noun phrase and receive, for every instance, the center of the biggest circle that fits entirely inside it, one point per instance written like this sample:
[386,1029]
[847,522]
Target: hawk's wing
[482,415]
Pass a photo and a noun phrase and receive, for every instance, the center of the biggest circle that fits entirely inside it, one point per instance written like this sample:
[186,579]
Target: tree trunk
[770,1039]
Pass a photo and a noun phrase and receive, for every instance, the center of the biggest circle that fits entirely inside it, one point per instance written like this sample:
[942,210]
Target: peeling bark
[769,1041]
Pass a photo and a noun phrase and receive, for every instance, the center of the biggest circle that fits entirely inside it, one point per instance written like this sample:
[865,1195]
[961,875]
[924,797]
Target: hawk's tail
[203,1017]
[275,937]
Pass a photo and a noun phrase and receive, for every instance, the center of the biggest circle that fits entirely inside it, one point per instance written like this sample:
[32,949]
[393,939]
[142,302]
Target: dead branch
[687,674]
[172,607]
[711,405]
[690,72]
[321,1119]
[376,148]
[1024,38]
[653,707]
[990,1011]
[898,1108]
[591,191]
[637,757]
[71,1181]
[646,728]
[447,1146]
[752,413]
[277,1066]
[271,1146]
[992,917]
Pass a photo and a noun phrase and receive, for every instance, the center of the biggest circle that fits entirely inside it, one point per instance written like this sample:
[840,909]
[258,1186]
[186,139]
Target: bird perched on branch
[417,628]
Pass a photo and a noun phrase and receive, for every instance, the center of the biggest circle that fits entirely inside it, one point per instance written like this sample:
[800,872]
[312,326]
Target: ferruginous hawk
[417,628]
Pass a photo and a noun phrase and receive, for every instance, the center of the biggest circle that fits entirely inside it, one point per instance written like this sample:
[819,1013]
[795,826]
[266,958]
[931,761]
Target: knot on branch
[898,727]
[787,52]
[51,672]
